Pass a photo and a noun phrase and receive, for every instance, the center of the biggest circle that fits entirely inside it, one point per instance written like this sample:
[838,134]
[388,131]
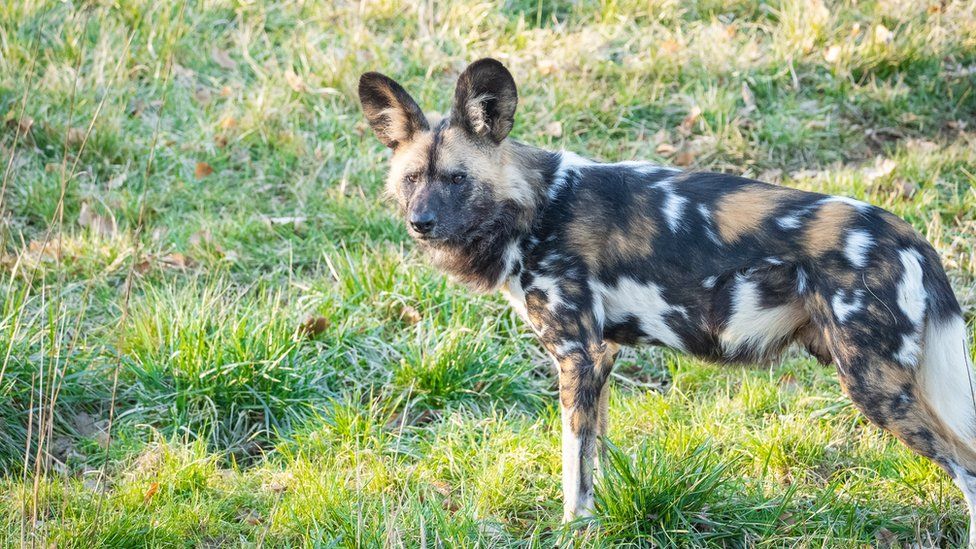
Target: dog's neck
[486,262]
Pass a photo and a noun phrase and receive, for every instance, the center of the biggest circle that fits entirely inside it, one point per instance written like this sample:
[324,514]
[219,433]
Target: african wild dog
[598,255]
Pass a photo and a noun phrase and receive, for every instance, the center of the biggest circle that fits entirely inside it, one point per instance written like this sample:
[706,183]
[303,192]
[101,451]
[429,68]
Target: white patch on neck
[569,163]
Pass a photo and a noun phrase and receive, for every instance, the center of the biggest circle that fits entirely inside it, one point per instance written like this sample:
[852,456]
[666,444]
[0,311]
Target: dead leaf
[22,125]
[832,54]
[554,129]
[665,149]
[906,189]
[313,326]
[222,58]
[294,81]
[142,267]
[546,67]
[228,122]
[685,157]
[250,516]
[203,96]
[669,46]
[882,167]
[102,225]
[75,136]
[226,91]
[202,170]
[410,315]
[176,260]
[201,237]
[886,538]
[788,381]
[689,120]
[748,98]
[153,488]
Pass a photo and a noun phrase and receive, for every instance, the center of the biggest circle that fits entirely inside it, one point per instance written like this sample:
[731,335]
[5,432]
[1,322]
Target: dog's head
[452,177]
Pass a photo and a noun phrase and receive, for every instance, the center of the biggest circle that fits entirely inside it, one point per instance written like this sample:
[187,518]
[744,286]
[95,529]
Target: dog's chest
[626,311]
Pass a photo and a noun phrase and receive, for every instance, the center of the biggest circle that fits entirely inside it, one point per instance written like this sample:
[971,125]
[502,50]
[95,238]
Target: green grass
[279,366]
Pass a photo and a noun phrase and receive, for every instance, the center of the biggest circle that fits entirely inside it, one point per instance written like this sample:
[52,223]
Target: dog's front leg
[580,384]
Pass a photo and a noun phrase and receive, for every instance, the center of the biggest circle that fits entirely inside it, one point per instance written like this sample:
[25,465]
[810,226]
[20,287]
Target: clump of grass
[220,363]
[687,497]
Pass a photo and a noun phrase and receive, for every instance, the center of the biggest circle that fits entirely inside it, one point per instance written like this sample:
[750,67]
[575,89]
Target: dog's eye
[412,178]
[458,178]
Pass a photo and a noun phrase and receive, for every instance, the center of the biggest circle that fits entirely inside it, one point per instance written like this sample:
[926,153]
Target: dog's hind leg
[920,389]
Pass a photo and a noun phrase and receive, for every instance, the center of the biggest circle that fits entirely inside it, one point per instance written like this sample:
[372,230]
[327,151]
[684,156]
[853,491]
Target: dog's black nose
[423,223]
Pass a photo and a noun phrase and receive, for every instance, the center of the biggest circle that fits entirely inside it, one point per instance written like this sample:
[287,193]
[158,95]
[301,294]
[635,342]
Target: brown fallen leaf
[882,167]
[685,157]
[669,46]
[203,96]
[688,123]
[176,260]
[313,326]
[250,516]
[222,58]
[102,225]
[142,267]
[410,315]
[906,189]
[294,81]
[665,149]
[75,136]
[153,488]
[22,125]
[546,67]
[554,129]
[228,122]
[202,170]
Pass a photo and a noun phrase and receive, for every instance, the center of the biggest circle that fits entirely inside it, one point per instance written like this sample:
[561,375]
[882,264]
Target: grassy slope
[419,413]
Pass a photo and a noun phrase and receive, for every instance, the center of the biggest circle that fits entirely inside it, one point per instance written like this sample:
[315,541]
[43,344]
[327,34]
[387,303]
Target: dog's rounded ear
[391,112]
[485,100]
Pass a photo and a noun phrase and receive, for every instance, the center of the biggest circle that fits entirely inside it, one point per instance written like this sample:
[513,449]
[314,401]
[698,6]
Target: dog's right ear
[391,112]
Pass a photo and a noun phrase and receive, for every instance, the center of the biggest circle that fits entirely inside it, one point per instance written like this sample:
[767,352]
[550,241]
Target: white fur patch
[550,286]
[911,292]
[757,326]
[947,376]
[859,242]
[709,282]
[569,163]
[643,301]
[515,294]
[801,281]
[788,222]
[673,208]
[574,503]
[858,205]
[844,307]
[908,352]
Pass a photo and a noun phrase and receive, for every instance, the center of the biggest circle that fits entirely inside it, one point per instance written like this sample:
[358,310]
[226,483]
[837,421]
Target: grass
[215,332]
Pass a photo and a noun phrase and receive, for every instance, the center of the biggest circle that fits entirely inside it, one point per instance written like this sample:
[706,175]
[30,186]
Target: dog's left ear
[485,100]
